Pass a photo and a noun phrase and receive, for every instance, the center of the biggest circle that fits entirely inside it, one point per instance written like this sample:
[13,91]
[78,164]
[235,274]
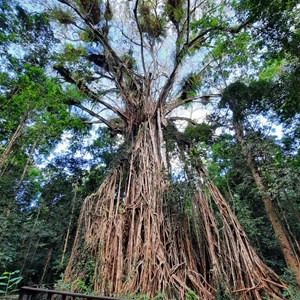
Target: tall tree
[238,98]
[129,238]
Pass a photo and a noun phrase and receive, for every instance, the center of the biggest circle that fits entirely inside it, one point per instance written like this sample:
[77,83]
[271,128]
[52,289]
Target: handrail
[31,293]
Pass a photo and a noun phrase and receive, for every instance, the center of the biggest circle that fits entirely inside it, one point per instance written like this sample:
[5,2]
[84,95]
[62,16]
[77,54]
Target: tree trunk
[69,225]
[12,140]
[46,264]
[28,162]
[291,259]
[31,236]
[290,256]
[131,238]
[129,232]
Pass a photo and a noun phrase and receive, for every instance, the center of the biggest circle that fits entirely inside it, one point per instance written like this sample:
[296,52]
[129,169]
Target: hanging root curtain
[233,266]
[130,241]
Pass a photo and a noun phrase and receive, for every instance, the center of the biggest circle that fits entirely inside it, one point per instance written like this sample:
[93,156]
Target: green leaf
[15,272]
[17,279]
[6,273]
[3,277]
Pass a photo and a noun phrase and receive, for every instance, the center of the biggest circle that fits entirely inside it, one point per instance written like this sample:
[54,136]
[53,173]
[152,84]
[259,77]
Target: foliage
[190,86]
[276,19]
[191,295]
[292,292]
[198,133]
[9,282]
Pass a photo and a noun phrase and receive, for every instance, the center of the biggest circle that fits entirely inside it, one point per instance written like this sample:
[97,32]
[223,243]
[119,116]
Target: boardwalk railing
[31,293]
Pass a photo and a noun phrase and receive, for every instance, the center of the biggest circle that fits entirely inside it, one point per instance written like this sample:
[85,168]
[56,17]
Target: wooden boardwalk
[31,293]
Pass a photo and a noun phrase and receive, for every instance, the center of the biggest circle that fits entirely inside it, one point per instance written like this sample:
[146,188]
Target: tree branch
[130,39]
[188,22]
[177,103]
[141,35]
[166,89]
[234,29]
[174,104]
[83,88]
[183,119]
[93,114]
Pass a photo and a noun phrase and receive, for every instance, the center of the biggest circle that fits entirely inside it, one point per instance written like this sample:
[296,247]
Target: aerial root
[129,239]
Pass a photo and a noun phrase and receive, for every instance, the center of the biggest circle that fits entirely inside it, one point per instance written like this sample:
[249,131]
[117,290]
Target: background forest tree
[168,203]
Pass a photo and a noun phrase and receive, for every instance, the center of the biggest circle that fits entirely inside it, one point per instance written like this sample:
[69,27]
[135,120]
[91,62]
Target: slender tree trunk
[70,223]
[32,254]
[292,236]
[31,237]
[290,256]
[28,162]
[12,140]
[46,264]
